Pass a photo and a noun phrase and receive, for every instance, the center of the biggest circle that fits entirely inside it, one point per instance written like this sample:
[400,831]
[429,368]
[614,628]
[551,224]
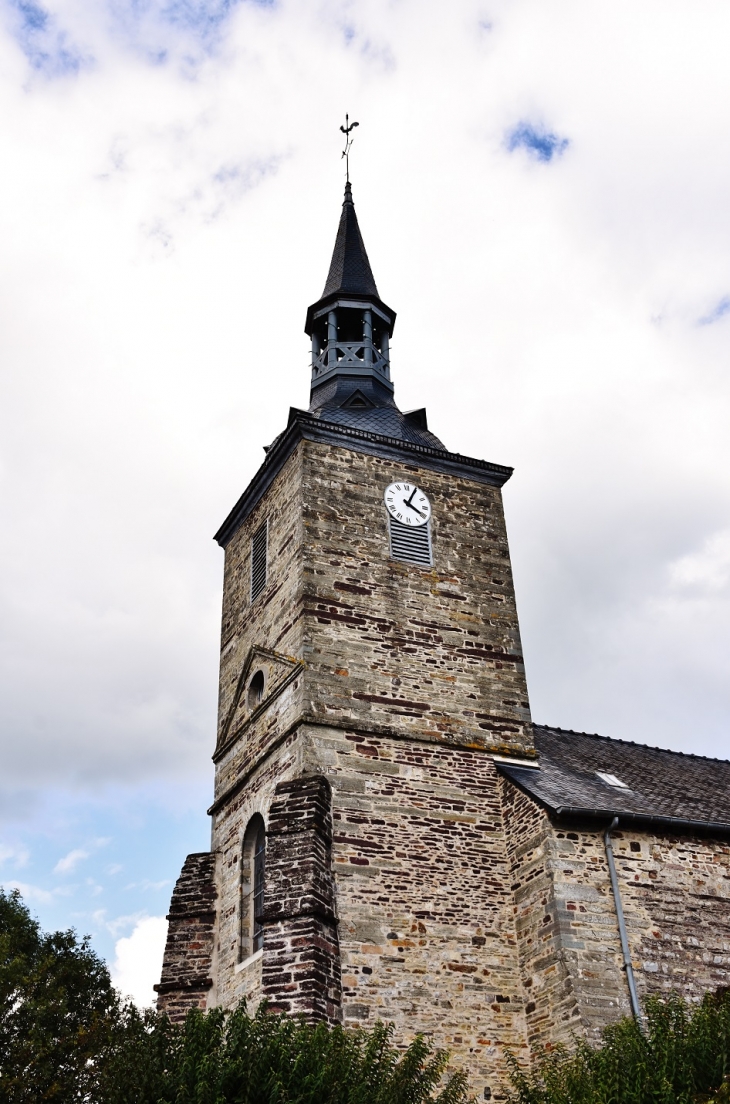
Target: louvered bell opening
[410,544]
[259,543]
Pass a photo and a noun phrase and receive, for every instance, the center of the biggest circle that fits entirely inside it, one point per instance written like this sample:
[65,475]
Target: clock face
[407,503]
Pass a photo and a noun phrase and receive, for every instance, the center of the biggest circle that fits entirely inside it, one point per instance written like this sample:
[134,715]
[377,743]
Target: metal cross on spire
[348,142]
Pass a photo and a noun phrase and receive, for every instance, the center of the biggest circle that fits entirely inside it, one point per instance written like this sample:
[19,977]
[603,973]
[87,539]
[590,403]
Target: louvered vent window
[259,549]
[410,544]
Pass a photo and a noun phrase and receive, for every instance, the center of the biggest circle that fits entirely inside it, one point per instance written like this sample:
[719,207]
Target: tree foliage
[58,1010]
[65,1036]
[216,1058]
[682,1056]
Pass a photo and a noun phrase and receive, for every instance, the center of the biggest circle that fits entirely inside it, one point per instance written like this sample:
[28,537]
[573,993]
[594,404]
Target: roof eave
[568,814]
[333,296]
[646,820]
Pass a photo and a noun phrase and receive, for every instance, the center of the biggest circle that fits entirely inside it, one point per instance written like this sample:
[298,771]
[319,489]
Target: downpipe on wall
[628,967]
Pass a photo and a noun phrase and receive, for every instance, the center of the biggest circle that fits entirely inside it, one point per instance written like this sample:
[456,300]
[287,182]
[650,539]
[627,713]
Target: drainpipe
[635,1006]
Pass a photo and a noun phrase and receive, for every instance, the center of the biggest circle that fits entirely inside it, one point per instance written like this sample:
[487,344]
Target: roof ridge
[631,743]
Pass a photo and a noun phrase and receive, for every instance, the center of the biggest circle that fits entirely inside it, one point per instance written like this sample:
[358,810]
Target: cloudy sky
[543,189]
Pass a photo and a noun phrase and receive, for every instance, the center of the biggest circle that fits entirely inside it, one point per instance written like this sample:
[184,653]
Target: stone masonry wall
[434,653]
[676,898]
[427,936]
[676,895]
[301,961]
[567,931]
[265,635]
[406,676]
[236,979]
[187,966]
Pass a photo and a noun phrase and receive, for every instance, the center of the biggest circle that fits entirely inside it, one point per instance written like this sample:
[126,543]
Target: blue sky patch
[99,864]
[540,143]
[203,18]
[146,25]
[45,45]
[718,311]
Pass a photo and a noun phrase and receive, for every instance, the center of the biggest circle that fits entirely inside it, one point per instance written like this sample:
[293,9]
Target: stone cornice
[363,728]
[303,426]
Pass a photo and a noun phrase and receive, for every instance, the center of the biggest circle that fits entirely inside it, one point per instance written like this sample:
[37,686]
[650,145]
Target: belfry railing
[350,354]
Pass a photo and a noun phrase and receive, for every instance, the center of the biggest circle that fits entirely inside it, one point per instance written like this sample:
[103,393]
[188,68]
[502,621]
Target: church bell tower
[371,678]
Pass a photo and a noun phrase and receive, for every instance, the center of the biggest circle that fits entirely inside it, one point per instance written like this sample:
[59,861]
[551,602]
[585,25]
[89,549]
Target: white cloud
[120,923]
[138,962]
[18,856]
[70,861]
[167,216]
[147,885]
[706,570]
[33,894]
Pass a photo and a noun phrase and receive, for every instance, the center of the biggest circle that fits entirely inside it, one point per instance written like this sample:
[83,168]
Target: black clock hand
[409,502]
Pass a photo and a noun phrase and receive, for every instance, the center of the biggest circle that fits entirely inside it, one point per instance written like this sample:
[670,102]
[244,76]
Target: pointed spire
[350,326]
[350,272]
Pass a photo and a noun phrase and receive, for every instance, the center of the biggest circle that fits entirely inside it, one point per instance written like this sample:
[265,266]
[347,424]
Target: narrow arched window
[259,559]
[253,874]
[259,864]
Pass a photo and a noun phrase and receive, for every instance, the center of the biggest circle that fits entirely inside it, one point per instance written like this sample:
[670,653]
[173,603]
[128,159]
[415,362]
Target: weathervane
[348,142]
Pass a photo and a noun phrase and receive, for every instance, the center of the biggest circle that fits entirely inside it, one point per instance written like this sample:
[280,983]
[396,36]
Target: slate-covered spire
[350,327]
[350,272]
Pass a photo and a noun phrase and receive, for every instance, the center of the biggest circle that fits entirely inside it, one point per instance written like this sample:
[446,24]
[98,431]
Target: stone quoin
[392,837]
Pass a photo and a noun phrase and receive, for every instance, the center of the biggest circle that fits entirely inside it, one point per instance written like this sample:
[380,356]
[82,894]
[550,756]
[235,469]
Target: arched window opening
[259,862]
[253,874]
[256,690]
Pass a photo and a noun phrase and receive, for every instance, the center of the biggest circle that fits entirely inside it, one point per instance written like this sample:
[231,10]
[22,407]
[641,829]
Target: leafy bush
[266,1059]
[66,1037]
[681,1057]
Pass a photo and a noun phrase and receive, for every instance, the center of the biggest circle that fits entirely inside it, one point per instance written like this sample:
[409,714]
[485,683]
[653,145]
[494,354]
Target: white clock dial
[407,503]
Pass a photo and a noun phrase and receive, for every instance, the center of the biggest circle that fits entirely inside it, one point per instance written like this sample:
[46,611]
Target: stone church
[392,836]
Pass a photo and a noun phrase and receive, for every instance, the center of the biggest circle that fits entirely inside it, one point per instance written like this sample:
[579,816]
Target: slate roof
[663,786]
[332,402]
[386,421]
[350,271]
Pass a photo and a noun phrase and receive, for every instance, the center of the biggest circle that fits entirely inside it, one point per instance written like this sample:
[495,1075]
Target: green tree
[58,1010]
[65,1036]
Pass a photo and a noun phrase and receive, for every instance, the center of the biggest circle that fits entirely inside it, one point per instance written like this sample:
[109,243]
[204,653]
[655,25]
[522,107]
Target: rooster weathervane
[346,129]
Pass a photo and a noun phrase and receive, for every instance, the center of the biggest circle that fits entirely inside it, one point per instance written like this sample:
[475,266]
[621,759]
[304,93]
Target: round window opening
[256,689]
